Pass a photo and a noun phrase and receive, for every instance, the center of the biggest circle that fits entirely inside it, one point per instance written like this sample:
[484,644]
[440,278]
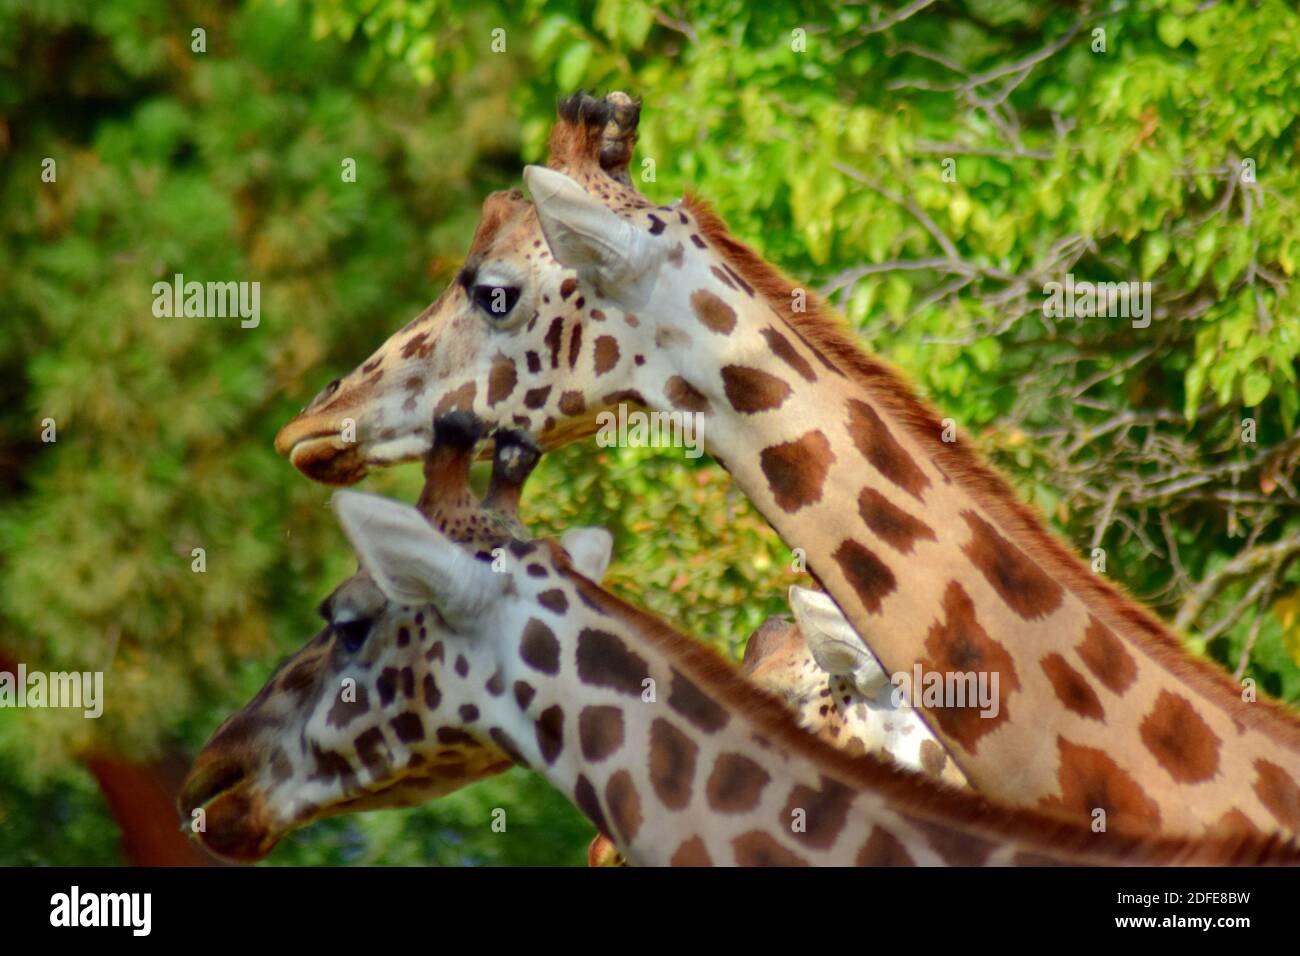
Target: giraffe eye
[496,300]
[352,633]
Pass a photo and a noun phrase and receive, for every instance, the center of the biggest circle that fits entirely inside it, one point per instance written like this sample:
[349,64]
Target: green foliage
[830,157]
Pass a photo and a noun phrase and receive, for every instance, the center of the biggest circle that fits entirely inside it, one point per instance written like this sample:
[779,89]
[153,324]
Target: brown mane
[923,797]
[962,463]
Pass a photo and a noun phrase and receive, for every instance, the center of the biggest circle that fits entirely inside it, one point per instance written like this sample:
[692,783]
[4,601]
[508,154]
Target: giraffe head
[381,708]
[824,672]
[585,298]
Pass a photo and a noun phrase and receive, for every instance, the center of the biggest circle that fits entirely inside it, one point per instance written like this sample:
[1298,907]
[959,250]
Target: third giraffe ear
[835,645]
[590,549]
[584,234]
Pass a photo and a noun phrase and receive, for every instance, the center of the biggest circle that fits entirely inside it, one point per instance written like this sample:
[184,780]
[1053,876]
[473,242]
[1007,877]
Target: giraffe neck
[936,564]
[674,755]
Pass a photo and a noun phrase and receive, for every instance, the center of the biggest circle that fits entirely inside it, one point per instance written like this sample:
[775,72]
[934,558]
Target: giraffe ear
[584,233]
[834,643]
[590,549]
[410,561]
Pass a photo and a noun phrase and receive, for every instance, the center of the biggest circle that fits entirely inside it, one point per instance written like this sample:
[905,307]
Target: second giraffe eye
[352,633]
[496,300]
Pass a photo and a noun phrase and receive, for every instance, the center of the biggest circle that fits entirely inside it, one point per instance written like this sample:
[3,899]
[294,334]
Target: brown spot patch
[373,751]
[783,350]
[796,470]
[507,745]
[1019,581]
[722,277]
[567,287]
[605,661]
[1235,823]
[692,703]
[536,397]
[757,848]
[895,526]
[933,758]
[408,727]
[958,644]
[553,338]
[386,684]
[344,712]
[869,577]
[553,600]
[524,693]
[1090,780]
[1072,688]
[606,353]
[572,404]
[954,847]
[883,849]
[501,379]
[432,696]
[624,395]
[752,390]
[736,783]
[1105,656]
[410,347]
[878,446]
[462,399]
[539,647]
[575,346]
[550,733]
[1180,739]
[692,852]
[1278,792]
[684,395]
[672,764]
[584,797]
[600,731]
[624,805]
[826,811]
[715,314]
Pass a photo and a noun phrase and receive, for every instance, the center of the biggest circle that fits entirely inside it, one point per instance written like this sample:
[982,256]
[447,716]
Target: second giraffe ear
[590,549]
[834,644]
[583,233]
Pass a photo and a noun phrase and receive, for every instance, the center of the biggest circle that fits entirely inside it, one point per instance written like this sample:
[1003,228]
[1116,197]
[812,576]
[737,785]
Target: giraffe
[457,670]
[817,666]
[591,297]
[837,689]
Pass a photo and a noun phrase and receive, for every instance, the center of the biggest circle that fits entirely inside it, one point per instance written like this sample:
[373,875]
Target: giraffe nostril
[208,783]
[326,392]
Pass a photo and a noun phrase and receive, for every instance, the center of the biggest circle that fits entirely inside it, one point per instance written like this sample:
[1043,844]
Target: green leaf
[1255,388]
[572,66]
[1171,29]
[1155,250]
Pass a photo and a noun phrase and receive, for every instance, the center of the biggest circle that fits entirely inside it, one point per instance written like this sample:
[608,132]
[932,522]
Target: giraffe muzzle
[223,812]
[327,459]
